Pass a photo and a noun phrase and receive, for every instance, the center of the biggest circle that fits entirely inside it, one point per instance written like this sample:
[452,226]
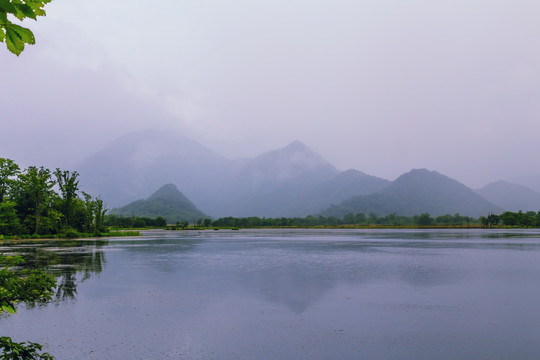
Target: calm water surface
[281,294]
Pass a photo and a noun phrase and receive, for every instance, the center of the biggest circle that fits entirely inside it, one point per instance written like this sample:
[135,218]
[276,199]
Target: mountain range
[287,182]
[416,192]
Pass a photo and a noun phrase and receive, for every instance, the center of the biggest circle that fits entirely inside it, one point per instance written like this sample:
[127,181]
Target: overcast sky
[381,86]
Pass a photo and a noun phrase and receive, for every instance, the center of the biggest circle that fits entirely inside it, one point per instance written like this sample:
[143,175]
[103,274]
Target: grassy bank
[72,235]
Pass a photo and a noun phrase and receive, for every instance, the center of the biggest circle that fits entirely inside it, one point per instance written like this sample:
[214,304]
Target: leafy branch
[14,35]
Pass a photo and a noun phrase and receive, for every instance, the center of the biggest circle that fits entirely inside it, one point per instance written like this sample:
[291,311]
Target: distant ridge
[416,192]
[510,196]
[532,182]
[271,184]
[167,202]
[136,164]
[343,186]
[287,182]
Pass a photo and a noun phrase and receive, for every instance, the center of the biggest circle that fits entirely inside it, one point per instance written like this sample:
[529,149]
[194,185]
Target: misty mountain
[134,165]
[532,182]
[511,197]
[343,186]
[167,202]
[291,181]
[272,184]
[416,192]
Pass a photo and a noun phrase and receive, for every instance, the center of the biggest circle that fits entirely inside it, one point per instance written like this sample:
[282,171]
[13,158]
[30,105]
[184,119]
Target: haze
[379,86]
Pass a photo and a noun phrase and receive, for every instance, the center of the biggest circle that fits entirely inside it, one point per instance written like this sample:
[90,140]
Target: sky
[382,86]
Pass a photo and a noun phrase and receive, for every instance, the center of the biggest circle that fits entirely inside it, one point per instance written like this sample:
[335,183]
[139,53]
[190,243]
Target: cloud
[381,86]
[54,114]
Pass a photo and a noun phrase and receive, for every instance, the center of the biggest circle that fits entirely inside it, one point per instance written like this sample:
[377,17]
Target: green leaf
[6,6]
[25,34]
[13,41]
[27,11]
[2,35]
[3,18]
[10,309]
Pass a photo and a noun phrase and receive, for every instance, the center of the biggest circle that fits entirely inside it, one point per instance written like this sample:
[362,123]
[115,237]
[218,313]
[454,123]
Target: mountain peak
[296,146]
[416,192]
[167,202]
[168,191]
[289,162]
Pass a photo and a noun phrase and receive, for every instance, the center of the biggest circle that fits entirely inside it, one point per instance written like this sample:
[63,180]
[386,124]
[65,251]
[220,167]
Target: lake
[288,294]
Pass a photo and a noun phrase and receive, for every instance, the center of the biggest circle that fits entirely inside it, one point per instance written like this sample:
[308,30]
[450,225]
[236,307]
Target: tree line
[133,221]
[506,219]
[512,219]
[359,219]
[37,201]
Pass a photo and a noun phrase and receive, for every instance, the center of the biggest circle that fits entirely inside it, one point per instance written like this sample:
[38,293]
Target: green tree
[68,185]
[8,170]
[493,220]
[14,35]
[423,219]
[360,218]
[349,219]
[9,222]
[87,208]
[35,192]
[99,214]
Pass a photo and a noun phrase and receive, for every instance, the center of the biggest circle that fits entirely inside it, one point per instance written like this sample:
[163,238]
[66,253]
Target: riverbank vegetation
[507,219]
[520,219]
[38,202]
[360,220]
[22,285]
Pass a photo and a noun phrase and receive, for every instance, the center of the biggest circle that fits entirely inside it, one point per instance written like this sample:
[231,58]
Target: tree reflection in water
[66,260]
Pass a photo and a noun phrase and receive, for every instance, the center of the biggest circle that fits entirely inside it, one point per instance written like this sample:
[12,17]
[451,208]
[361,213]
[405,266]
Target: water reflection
[70,262]
[291,294]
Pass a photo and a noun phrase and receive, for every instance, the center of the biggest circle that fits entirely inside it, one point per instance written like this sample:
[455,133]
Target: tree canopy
[30,204]
[16,36]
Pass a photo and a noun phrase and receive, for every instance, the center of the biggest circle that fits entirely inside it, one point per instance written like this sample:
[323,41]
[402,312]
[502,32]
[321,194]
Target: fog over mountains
[416,192]
[510,196]
[287,182]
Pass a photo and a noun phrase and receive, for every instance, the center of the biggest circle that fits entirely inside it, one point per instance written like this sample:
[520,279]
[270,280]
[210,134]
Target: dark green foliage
[9,222]
[21,351]
[423,220]
[69,186]
[519,219]
[8,170]
[168,202]
[33,196]
[348,220]
[134,221]
[29,204]
[22,285]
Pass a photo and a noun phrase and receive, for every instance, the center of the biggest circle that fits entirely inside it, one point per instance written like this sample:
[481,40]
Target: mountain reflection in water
[290,294]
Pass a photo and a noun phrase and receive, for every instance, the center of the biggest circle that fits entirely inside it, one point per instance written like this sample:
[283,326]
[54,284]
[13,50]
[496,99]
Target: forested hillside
[167,202]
